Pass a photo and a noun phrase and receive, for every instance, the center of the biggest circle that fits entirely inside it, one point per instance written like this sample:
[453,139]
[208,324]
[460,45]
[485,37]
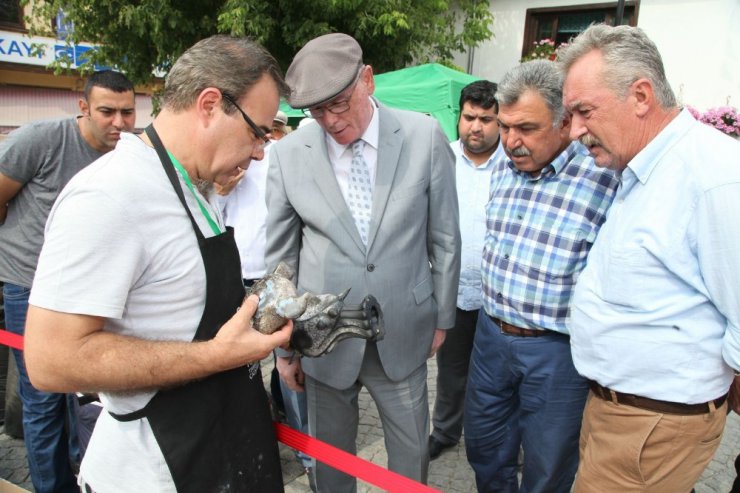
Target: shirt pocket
[632,278]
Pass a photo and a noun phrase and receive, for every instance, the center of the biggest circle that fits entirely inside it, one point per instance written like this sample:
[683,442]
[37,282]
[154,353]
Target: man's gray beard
[204,187]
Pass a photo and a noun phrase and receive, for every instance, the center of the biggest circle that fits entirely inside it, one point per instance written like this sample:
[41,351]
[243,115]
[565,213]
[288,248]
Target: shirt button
[499,296]
[506,257]
[370,267]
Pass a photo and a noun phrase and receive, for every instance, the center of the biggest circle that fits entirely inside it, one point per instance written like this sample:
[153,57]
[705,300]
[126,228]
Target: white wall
[699,41]
[700,44]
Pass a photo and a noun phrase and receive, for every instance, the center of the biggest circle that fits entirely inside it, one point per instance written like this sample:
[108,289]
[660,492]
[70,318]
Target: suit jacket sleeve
[443,240]
[283,222]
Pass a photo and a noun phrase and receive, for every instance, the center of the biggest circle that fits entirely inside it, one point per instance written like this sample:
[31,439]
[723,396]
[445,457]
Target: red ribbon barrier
[329,455]
[348,463]
[9,339]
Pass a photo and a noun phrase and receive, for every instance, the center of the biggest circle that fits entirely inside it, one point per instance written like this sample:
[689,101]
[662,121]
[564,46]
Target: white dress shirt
[244,209]
[340,155]
[473,191]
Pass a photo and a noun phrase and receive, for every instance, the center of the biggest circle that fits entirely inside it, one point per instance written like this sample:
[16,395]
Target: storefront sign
[19,48]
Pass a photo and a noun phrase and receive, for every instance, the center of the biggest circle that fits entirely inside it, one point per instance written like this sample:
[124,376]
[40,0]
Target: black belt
[513,330]
[653,404]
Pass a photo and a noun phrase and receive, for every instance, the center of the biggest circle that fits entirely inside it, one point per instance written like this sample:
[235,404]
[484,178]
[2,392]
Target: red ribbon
[9,339]
[329,455]
[348,463]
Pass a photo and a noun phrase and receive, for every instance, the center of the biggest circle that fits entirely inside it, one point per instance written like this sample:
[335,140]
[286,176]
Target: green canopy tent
[430,88]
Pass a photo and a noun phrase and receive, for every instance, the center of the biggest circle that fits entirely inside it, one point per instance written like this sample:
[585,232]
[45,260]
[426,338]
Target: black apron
[216,434]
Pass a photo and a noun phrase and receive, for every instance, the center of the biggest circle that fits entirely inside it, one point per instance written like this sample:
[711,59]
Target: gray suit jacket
[412,260]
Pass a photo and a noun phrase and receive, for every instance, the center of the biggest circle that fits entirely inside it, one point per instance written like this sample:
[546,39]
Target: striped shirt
[539,232]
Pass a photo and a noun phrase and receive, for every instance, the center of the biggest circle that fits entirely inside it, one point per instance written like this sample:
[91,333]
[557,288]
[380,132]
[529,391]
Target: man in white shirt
[244,209]
[476,151]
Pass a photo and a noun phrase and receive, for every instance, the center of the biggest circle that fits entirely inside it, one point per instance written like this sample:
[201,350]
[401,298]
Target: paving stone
[449,473]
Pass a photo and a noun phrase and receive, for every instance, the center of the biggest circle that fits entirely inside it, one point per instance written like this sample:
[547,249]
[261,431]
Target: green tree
[139,36]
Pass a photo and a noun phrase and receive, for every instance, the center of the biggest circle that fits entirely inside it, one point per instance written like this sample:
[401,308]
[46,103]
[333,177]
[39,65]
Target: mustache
[589,140]
[519,151]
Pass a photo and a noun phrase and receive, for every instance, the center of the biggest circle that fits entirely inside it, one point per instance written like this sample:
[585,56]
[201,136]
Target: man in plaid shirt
[547,202]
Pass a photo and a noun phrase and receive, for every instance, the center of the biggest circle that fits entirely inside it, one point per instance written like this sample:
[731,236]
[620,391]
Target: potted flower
[544,49]
[725,119]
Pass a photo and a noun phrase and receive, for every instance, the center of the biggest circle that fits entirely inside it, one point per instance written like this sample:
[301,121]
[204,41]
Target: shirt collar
[643,164]
[371,135]
[459,150]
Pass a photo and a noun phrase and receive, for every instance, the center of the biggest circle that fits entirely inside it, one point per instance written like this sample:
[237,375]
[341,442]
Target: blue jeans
[44,414]
[297,415]
[522,391]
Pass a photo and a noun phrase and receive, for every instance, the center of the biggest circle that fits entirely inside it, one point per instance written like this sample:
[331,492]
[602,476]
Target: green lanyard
[216,229]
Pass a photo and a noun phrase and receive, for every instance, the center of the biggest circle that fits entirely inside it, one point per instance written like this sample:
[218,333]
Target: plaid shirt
[539,232]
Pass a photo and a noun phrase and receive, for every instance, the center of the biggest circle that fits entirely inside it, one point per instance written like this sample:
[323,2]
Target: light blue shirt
[656,312]
[473,184]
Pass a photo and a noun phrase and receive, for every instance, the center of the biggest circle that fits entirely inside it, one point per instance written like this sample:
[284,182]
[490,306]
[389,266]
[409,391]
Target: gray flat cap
[323,68]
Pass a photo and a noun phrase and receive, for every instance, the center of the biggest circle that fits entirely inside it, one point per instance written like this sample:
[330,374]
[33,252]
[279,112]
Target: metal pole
[620,13]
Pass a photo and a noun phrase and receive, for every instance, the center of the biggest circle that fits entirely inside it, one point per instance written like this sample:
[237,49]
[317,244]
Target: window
[562,23]
[11,14]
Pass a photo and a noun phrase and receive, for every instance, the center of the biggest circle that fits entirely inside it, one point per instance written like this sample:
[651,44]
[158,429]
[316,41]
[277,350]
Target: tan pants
[626,449]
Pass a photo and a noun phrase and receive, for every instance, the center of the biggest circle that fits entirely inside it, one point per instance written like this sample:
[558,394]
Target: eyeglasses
[261,134]
[337,107]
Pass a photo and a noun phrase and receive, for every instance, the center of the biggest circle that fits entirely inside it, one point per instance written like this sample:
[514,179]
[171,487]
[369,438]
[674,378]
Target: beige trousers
[626,449]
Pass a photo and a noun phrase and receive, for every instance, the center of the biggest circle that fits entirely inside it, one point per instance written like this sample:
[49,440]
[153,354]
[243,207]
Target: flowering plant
[725,119]
[544,49]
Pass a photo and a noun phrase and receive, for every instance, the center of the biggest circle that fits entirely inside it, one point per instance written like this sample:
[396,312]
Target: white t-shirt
[119,245]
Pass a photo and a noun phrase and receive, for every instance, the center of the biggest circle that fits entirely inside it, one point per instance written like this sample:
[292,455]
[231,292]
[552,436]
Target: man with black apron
[139,293]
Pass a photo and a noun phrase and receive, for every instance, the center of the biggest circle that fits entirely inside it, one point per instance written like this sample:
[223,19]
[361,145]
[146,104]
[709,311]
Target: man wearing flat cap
[365,200]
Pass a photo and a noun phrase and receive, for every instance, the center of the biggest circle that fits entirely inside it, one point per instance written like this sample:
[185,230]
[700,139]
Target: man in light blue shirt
[655,315]
[476,153]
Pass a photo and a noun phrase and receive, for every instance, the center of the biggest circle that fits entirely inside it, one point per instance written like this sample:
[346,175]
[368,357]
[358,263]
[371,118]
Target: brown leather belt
[513,330]
[654,405]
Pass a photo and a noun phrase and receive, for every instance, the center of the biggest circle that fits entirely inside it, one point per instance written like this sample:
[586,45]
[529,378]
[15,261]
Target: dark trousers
[453,359]
[49,446]
[522,391]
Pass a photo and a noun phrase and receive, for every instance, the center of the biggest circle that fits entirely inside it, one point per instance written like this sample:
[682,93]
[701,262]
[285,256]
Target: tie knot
[357,147]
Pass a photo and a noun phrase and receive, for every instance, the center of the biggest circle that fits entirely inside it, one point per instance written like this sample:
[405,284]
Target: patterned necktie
[360,193]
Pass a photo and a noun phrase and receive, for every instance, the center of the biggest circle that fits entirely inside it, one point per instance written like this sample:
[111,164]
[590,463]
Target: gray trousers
[333,417]
[453,359]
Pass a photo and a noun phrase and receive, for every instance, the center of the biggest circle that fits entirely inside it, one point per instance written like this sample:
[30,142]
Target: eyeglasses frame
[327,107]
[258,132]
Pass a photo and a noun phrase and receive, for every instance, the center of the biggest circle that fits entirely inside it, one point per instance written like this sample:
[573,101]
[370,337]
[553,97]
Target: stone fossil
[320,321]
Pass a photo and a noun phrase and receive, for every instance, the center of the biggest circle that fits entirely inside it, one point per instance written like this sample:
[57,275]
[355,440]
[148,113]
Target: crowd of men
[569,260]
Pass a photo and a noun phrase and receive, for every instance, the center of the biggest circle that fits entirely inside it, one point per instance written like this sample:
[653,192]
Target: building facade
[698,40]
[28,89]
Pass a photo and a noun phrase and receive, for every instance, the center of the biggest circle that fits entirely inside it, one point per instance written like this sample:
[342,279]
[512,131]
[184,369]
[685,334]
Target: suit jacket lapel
[317,157]
[389,150]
